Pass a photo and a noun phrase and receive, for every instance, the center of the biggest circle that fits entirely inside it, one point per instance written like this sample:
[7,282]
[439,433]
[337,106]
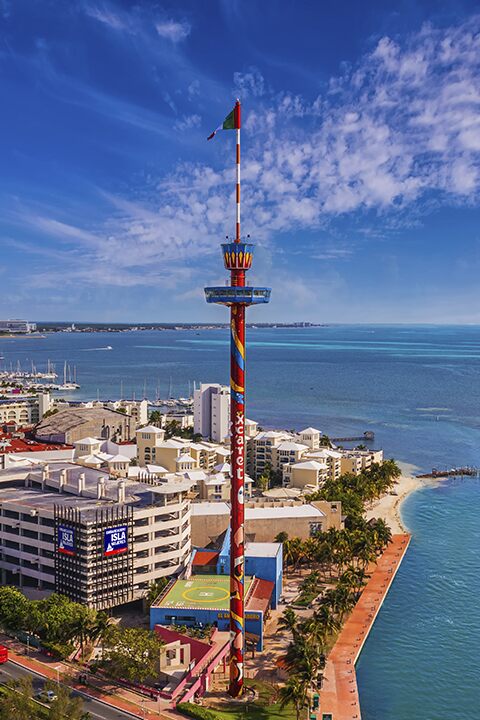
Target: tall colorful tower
[237,257]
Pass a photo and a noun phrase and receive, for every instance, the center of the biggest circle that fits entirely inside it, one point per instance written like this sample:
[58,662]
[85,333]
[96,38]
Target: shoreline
[339,694]
[388,507]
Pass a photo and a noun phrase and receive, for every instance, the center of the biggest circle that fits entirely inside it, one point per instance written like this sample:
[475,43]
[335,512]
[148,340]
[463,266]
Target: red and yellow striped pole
[237,420]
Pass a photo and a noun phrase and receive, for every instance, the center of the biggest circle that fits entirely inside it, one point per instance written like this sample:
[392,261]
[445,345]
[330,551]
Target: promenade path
[339,694]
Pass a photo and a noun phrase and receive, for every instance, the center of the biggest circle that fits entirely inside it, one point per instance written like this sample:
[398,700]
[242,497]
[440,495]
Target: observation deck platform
[243,295]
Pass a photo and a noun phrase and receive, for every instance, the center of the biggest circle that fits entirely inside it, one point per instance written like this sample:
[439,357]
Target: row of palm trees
[354,491]
[341,557]
[330,552]
[306,652]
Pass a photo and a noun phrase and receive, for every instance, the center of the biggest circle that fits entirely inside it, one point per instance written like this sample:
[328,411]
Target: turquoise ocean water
[417,388]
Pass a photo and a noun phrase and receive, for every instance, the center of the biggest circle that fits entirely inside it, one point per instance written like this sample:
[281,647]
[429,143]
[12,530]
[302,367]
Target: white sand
[388,506]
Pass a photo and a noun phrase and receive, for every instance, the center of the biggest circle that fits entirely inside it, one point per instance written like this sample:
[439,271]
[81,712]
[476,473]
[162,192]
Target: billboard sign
[115,541]
[66,540]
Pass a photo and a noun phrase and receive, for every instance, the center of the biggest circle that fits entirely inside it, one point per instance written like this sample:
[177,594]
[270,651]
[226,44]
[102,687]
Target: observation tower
[237,295]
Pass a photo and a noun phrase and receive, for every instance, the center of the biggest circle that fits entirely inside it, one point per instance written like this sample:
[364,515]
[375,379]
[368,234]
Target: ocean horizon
[416,387]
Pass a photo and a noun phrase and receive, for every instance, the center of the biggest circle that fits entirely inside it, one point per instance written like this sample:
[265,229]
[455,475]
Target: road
[98,711]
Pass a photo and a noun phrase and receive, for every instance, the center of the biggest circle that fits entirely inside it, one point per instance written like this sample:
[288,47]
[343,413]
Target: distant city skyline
[361,158]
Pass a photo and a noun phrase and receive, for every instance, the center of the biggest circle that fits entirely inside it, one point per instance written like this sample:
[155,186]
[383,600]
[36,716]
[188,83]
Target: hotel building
[211,411]
[99,540]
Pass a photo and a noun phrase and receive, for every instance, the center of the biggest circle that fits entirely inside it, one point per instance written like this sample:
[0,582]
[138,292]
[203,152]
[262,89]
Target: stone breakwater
[339,694]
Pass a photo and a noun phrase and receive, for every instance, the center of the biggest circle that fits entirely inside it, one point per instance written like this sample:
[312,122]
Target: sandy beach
[388,507]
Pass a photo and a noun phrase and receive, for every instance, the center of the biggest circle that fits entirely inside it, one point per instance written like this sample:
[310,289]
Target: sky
[360,158]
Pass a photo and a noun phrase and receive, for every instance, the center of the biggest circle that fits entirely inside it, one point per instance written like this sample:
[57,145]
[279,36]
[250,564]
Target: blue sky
[361,158]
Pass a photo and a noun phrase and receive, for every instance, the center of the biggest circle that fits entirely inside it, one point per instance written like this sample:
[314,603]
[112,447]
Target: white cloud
[250,83]
[107,16]
[187,122]
[398,129]
[193,89]
[173,30]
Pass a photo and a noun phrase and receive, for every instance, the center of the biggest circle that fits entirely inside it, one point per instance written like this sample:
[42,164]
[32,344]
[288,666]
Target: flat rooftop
[210,592]
[258,513]
[140,495]
[262,549]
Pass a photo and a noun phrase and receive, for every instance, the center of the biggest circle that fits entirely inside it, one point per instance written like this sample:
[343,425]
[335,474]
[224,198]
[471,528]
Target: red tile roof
[24,445]
[205,557]
[260,595]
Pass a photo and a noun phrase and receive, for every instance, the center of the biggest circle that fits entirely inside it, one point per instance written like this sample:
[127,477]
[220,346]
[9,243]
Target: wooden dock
[367,436]
[339,694]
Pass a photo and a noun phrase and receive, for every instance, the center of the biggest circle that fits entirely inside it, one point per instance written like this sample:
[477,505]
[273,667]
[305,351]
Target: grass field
[262,709]
[201,591]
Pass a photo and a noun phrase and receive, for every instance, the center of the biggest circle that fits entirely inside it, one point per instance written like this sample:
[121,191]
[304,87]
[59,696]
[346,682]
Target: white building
[25,409]
[211,411]
[17,326]
[80,532]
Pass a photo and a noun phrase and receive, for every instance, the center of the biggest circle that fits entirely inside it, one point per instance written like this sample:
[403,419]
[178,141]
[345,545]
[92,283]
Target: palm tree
[100,628]
[154,590]
[282,537]
[354,578]
[293,551]
[323,623]
[81,630]
[288,621]
[383,533]
[340,600]
[295,692]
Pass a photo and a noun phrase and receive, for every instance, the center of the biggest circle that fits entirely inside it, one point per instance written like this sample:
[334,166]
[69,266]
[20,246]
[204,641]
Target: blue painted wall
[266,568]
[193,617]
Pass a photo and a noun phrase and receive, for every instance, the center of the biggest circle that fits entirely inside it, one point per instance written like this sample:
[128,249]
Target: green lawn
[258,710]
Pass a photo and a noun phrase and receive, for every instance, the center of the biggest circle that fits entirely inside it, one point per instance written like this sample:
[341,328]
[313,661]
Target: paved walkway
[112,695]
[339,695]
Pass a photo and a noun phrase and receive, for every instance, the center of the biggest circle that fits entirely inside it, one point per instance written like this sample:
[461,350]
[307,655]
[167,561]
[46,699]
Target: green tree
[133,654]
[84,628]
[263,482]
[172,428]
[14,608]
[155,417]
[154,590]
[65,704]
[281,537]
[17,704]
[295,692]
[288,621]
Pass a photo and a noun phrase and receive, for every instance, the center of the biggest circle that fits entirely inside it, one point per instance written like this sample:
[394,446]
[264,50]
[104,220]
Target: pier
[465,471]
[339,694]
[368,436]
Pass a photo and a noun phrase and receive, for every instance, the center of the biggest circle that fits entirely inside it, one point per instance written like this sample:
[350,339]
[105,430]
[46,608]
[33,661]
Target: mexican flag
[231,122]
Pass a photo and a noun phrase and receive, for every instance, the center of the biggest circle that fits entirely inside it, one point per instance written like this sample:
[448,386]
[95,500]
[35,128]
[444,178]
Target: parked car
[46,696]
